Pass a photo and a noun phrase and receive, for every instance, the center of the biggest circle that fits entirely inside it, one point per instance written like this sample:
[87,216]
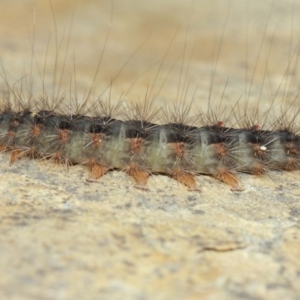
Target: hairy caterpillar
[181,146]
[62,237]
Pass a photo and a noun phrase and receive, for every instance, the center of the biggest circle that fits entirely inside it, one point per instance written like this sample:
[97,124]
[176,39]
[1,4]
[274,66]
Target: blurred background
[168,50]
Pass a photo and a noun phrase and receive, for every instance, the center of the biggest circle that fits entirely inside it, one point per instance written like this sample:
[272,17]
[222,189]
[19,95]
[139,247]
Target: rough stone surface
[64,238]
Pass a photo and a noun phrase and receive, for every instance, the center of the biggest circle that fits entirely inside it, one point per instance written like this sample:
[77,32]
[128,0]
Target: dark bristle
[42,115]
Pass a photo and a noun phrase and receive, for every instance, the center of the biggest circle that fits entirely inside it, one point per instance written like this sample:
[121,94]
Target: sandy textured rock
[64,238]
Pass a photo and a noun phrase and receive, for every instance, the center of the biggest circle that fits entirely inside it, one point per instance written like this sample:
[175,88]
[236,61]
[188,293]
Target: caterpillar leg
[96,171]
[140,176]
[188,179]
[227,177]
[18,154]
[14,156]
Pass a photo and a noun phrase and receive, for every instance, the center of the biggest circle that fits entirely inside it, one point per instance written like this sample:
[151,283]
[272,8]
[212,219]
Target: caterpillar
[174,143]
[225,87]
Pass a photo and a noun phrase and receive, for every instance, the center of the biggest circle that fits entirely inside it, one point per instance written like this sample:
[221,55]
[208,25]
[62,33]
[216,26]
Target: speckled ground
[64,238]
